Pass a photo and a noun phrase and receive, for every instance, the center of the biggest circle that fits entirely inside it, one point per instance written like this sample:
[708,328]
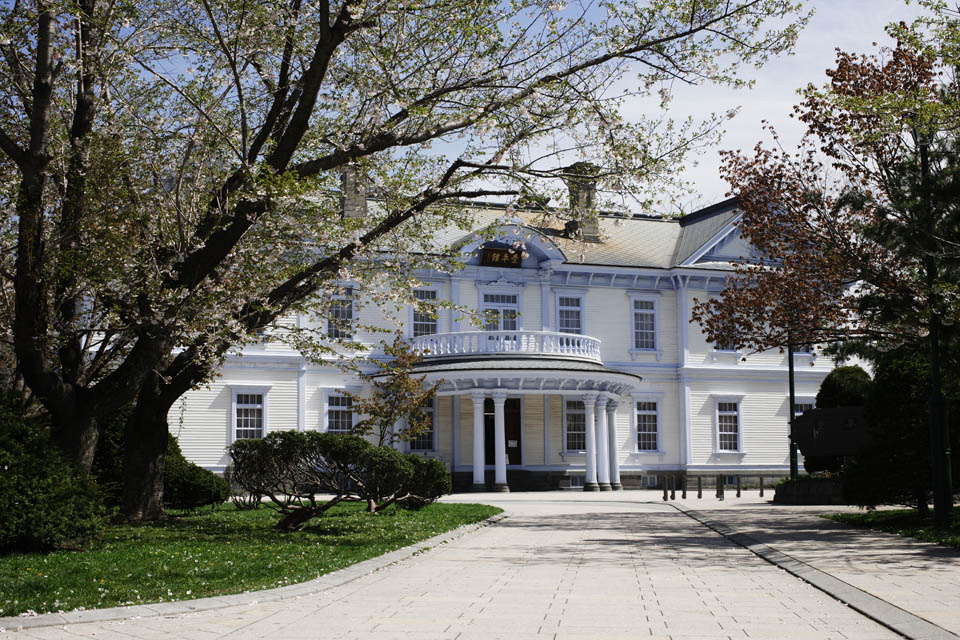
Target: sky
[851,25]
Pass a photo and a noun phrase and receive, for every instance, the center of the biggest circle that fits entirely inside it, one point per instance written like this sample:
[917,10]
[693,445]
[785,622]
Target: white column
[546,318]
[614,455]
[499,442]
[590,481]
[603,459]
[479,483]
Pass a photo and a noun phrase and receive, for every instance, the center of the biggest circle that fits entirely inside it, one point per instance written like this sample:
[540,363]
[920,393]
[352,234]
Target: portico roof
[534,375]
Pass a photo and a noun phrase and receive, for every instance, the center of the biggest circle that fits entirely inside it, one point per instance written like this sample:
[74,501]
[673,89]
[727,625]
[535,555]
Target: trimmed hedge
[45,503]
[187,486]
[291,468]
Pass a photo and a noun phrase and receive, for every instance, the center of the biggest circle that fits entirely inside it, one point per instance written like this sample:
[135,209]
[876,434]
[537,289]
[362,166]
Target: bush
[895,467]
[187,486]
[428,482]
[291,468]
[242,500]
[107,467]
[45,503]
[843,387]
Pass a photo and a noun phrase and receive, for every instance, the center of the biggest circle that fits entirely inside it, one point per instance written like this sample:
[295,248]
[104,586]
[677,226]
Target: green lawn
[906,523]
[213,553]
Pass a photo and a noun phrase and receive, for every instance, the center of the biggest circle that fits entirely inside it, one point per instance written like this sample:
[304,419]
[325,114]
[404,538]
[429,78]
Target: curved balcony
[513,344]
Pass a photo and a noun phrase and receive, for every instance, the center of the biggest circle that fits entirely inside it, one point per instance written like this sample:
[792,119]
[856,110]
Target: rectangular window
[576,426]
[647,426]
[805,349]
[340,315]
[500,311]
[424,440]
[424,318]
[339,414]
[800,407]
[728,426]
[569,315]
[644,324]
[249,415]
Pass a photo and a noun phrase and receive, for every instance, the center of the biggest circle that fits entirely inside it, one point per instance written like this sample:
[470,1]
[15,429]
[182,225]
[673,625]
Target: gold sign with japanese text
[493,257]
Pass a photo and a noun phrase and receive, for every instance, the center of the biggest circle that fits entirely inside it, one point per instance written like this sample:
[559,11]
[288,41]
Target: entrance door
[511,430]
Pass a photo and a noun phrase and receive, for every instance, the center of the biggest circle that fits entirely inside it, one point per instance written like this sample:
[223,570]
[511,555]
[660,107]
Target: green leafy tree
[172,170]
[395,409]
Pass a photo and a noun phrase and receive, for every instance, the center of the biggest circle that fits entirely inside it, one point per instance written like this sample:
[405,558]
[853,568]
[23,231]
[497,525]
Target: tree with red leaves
[857,233]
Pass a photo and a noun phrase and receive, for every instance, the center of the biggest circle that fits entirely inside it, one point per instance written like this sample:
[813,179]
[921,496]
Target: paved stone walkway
[564,565]
[918,577]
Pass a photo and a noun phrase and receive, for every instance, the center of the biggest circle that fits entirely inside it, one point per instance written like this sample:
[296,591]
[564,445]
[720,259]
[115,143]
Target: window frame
[432,410]
[655,312]
[727,399]
[656,412]
[337,393]
[413,311]
[503,289]
[578,294]
[646,396]
[348,295]
[566,412]
[262,390]
[802,400]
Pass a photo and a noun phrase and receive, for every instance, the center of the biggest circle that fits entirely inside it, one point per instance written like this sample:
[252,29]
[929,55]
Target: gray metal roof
[698,228]
[639,241]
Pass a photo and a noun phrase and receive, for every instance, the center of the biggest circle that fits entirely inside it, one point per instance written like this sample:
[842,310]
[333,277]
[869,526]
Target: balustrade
[513,343]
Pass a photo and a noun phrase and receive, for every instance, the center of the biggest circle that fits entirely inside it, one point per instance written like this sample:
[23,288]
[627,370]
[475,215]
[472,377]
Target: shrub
[187,486]
[895,467]
[291,468]
[843,387]
[428,482]
[45,503]
[242,500]
[107,467]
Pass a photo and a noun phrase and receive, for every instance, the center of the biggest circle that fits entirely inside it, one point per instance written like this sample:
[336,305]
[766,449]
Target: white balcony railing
[512,343]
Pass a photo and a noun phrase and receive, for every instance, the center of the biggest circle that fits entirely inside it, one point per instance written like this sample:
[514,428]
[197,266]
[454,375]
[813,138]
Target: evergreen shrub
[45,503]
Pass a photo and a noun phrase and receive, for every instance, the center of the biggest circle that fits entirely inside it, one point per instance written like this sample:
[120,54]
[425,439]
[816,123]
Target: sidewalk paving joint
[889,615]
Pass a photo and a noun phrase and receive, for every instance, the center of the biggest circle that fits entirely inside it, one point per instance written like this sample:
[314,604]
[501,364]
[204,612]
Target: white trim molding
[654,299]
[262,390]
[647,396]
[727,399]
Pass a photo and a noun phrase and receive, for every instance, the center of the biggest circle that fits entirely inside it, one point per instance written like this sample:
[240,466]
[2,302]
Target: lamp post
[794,457]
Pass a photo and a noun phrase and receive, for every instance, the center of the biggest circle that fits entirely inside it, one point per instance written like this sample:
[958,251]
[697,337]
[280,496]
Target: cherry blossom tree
[172,170]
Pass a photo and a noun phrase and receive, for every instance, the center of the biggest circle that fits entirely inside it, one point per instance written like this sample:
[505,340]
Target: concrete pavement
[611,565]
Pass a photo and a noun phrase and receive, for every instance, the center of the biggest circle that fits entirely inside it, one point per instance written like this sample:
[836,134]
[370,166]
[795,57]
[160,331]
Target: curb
[289,592]
[889,615]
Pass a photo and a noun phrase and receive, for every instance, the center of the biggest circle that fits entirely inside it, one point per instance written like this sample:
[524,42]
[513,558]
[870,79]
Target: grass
[905,522]
[213,553]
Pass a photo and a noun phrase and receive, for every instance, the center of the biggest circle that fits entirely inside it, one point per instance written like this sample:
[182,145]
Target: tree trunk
[76,435]
[145,449]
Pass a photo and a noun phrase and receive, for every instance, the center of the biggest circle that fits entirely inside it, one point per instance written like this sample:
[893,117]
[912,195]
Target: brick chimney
[353,193]
[581,179]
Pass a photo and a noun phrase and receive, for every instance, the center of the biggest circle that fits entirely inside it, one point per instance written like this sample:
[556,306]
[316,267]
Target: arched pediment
[536,248]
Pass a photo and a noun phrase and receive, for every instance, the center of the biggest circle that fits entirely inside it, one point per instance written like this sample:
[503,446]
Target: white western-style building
[588,371]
